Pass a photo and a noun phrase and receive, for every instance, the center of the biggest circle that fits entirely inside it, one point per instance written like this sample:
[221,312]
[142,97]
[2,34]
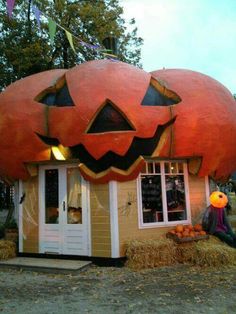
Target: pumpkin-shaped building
[106,152]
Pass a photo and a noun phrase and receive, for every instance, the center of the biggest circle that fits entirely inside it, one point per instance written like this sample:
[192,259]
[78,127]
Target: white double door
[64,213]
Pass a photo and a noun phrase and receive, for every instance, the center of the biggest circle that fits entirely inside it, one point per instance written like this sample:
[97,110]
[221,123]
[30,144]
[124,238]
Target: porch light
[57,153]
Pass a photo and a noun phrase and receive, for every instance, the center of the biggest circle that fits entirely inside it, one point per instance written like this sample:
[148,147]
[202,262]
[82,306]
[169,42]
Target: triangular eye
[159,95]
[108,119]
[58,95]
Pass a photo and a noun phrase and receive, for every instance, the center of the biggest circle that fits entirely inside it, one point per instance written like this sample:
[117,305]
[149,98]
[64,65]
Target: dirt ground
[178,289]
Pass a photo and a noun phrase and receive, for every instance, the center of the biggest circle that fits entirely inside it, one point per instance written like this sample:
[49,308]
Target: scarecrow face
[107,115]
[218,199]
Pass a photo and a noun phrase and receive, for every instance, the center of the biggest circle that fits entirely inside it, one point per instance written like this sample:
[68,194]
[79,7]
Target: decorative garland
[52,26]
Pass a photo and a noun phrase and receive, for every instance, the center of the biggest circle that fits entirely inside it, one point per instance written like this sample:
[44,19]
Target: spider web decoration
[126,209]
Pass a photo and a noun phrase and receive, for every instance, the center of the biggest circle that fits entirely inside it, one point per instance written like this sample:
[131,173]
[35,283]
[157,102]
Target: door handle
[64,206]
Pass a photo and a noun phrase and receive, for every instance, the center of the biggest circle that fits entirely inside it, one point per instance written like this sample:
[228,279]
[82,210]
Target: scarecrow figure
[215,219]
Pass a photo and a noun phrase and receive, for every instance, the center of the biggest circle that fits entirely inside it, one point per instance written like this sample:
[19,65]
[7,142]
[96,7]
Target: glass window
[175,197]
[151,198]
[167,167]
[180,168]
[74,196]
[157,167]
[173,167]
[163,193]
[51,196]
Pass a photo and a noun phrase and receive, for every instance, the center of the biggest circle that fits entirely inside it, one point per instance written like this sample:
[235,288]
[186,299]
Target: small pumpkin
[198,227]
[185,234]
[190,227]
[202,232]
[179,235]
[192,234]
[218,199]
[179,228]
[186,228]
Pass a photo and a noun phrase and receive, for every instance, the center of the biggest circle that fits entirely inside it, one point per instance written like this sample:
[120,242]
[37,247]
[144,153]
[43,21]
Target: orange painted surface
[206,121]
[20,118]
[90,85]
[205,125]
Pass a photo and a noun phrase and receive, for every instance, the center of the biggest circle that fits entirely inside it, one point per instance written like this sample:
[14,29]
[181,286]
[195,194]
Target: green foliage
[11,224]
[25,49]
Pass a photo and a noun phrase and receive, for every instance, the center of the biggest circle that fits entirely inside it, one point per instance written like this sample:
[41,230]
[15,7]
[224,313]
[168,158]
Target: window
[74,196]
[56,96]
[162,193]
[51,196]
[109,119]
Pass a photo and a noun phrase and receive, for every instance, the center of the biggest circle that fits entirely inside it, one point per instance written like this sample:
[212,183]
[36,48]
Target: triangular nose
[109,119]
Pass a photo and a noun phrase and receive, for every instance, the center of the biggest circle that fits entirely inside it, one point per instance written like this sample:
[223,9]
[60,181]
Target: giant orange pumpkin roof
[208,125]
[110,115]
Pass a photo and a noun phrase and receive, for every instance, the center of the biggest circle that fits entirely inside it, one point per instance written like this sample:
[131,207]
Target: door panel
[50,240]
[63,210]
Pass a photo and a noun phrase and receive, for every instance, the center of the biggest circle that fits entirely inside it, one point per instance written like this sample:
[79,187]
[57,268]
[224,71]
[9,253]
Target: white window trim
[164,223]
[115,248]
[207,185]
[89,236]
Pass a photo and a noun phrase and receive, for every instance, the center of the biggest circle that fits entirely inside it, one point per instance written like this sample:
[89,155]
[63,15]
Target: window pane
[150,167]
[167,167]
[180,168]
[51,196]
[152,208]
[175,196]
[74,196]
[173,167]
[157,167]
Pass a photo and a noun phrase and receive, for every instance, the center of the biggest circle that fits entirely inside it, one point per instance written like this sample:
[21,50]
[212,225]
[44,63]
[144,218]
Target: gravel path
[180,289]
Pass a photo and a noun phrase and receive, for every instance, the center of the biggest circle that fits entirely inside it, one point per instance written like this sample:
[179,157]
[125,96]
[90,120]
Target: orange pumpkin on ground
[202,232]
[192,234]
[187,229]
[190,227]
[218,199]
[179,228]
[198,227]
[185,233]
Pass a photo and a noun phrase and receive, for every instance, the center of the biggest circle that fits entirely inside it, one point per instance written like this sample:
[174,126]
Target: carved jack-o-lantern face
[109,115]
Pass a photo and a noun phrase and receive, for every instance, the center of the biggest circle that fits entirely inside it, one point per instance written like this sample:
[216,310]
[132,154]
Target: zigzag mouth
[139,147]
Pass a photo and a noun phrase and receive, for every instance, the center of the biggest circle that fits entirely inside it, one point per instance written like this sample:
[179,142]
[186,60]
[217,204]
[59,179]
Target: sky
[199,35]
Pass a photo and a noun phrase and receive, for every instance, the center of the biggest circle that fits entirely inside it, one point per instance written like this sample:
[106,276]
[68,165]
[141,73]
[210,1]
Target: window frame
[162,173]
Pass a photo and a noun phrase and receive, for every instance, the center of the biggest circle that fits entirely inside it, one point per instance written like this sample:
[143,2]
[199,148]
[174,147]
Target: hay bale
[210,252]
[7,249]
[143,254]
